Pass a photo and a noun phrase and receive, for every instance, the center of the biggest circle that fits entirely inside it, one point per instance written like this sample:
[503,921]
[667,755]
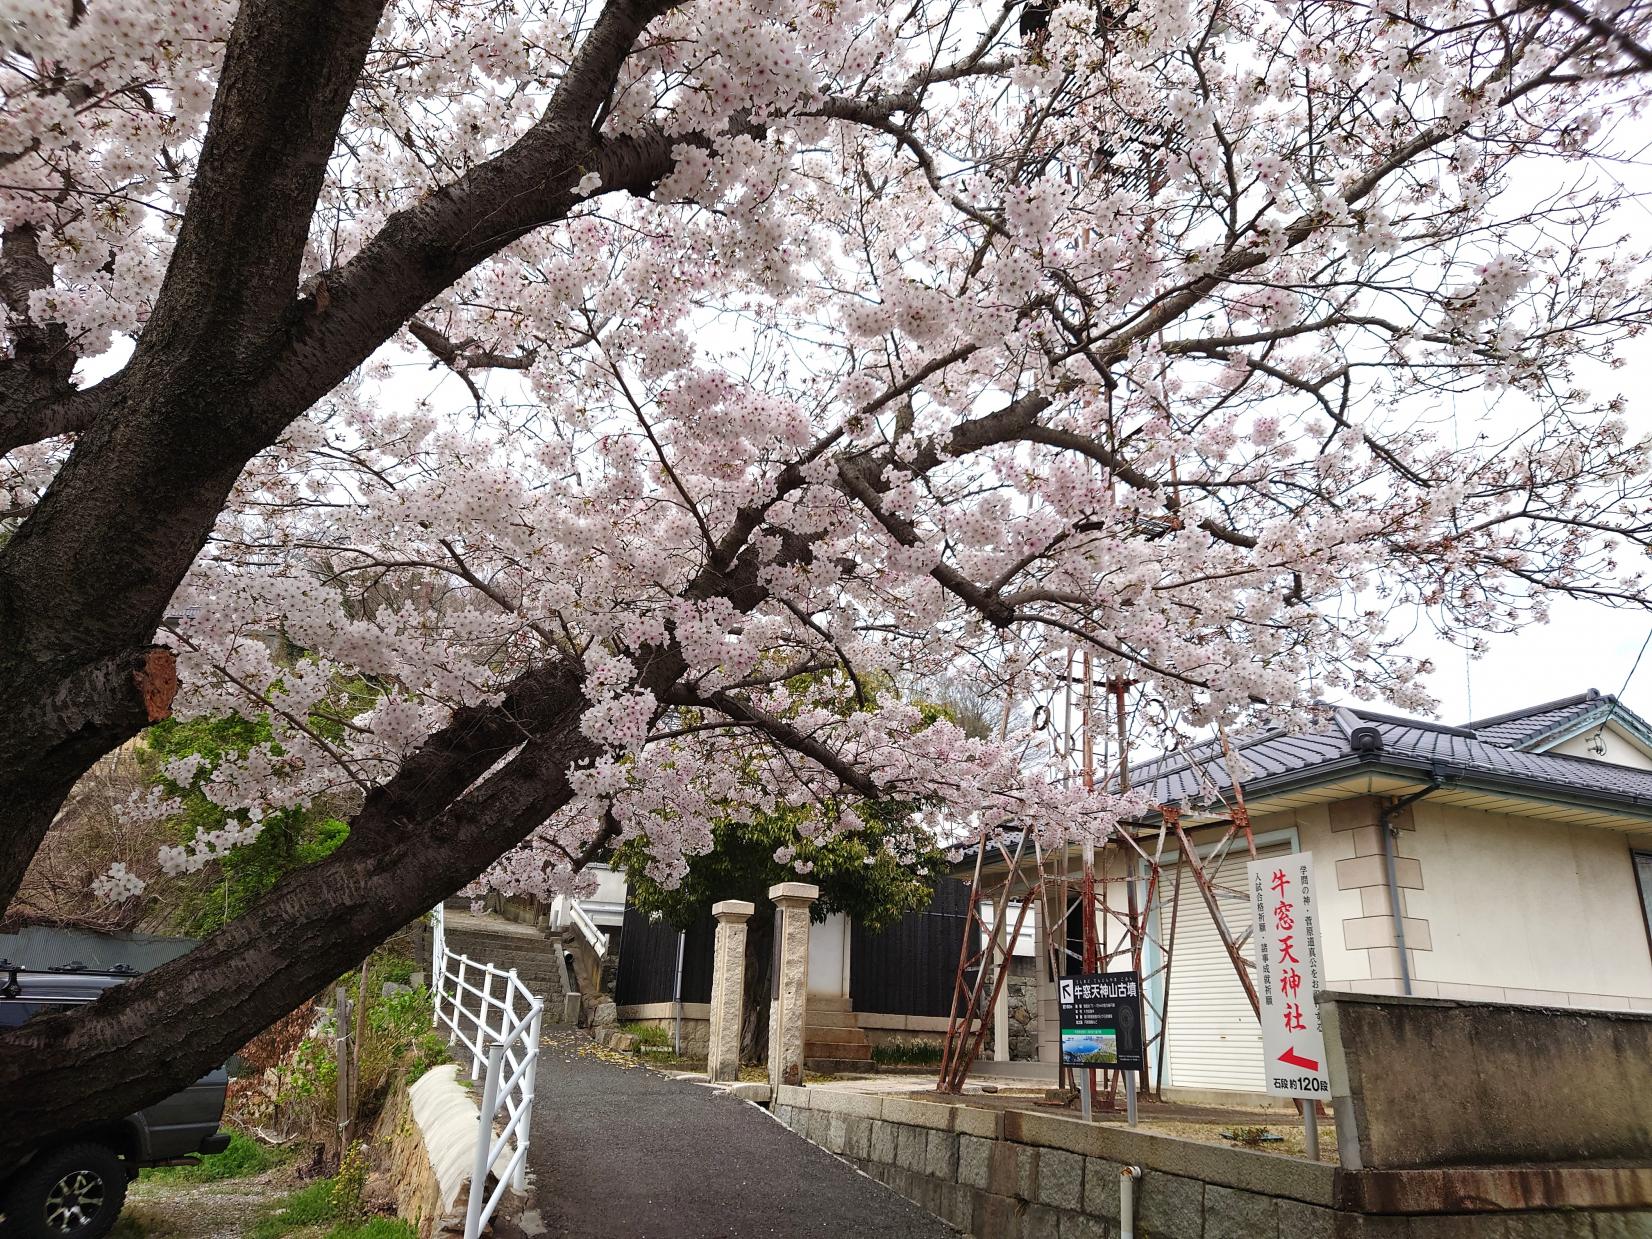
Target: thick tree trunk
[754,1026]
[231,355]
[412,845]
[85,582]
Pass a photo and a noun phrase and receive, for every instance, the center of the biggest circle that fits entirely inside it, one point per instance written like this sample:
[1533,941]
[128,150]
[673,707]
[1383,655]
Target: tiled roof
[1362,738]
[1541,726]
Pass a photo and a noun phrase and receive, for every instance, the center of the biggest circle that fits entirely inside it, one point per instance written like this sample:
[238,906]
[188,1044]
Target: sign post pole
[1288,980]
[1101,1028]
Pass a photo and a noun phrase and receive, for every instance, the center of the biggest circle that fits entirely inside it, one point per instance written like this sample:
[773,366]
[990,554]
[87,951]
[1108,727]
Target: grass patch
[308,1206]
[314,1209]
[244,1157]
[1250,1137]
[431,1050]
[648,1034]
[375,1228]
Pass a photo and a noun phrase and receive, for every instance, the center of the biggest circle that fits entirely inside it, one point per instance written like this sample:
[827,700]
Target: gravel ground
[160,1209]
[622,1152]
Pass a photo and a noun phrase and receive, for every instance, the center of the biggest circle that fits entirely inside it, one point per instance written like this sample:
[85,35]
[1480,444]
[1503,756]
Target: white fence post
[520,1180]
[438,959]
[482,1029]
[484,1145]
[458,1001]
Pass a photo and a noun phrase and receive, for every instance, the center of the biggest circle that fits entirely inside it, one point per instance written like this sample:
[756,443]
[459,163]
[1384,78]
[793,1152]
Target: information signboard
[1289,970]
[1101,1020]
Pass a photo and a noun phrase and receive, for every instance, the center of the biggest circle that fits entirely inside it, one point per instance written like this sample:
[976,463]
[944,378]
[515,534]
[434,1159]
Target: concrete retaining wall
[1423,1082]
[1018,1175]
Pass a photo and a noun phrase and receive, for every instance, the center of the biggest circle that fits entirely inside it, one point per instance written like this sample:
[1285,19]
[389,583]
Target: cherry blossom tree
[783,346]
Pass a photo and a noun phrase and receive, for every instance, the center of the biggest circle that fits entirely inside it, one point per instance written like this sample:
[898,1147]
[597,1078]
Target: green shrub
[398,1041]
[309,1086]
[901,1053]
[244,1157]
[400,1038]
[429,1051]
[390,967]
[350,1186]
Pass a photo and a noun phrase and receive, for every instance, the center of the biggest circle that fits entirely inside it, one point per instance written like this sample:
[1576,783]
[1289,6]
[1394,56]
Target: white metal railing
[501,1032]
[583,922]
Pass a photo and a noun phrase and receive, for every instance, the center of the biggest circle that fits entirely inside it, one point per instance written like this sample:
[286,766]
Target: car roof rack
[11,970]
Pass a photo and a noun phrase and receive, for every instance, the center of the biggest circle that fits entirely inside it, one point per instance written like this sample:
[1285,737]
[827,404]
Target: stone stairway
[491,939]
[833,1040]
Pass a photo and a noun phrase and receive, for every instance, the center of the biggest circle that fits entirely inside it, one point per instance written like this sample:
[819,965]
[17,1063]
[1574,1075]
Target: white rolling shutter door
[1214,1041]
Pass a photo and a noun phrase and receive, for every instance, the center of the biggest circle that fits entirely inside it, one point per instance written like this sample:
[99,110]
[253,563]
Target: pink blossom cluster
[1182,334]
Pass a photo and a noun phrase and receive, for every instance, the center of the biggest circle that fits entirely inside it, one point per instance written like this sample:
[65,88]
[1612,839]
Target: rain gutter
[1386,838]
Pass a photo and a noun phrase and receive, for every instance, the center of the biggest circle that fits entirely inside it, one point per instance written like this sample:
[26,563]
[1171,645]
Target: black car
[73,1188]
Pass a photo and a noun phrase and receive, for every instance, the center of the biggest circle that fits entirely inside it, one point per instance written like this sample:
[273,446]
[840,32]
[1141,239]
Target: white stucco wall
[1620,749]
[1344,969]
[1544,912]
[1514,910]
[829,957]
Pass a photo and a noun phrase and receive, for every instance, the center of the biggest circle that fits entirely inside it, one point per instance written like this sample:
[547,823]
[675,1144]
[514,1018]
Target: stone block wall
[411,1181]
[1019,1175]
[1023,991]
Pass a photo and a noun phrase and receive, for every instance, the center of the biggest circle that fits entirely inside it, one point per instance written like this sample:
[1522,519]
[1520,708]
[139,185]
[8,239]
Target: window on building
[1643,875]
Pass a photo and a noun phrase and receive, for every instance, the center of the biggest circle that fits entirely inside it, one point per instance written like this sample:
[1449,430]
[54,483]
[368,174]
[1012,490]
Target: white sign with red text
[1289,970]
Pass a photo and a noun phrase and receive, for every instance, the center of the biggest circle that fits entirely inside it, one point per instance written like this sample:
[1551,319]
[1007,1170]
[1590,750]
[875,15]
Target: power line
[1633,667]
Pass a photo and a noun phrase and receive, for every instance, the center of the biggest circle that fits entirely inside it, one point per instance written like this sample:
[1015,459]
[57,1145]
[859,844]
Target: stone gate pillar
[728,988]
[791,980]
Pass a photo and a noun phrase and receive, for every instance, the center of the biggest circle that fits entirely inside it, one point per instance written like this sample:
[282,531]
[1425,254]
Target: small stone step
[817,1034]
[827,1049]
[817,1018]
[837,1066]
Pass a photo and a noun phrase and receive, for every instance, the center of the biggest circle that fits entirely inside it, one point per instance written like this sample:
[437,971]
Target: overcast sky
[1583,646]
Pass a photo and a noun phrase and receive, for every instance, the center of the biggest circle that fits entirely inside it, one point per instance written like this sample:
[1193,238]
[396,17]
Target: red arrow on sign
[1296,1060]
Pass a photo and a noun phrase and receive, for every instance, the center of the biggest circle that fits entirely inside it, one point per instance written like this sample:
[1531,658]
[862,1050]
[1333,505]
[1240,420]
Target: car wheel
[70,1193]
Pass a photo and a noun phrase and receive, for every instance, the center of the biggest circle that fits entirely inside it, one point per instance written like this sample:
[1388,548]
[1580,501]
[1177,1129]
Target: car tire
[74,1192]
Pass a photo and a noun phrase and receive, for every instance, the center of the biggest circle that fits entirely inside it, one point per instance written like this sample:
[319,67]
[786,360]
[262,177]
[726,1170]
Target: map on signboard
[1101,1020]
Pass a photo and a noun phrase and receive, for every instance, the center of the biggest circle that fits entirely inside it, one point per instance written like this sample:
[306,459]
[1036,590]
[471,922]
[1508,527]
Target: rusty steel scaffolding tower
[1116,928]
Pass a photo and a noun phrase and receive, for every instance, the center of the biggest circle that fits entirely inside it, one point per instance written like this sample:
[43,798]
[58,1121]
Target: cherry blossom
[1219,340]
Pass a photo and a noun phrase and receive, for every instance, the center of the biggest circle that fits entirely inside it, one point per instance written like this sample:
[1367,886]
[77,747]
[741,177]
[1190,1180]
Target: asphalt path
[627,1153]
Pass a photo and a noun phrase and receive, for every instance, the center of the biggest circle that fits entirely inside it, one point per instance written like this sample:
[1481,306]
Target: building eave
[1635,811]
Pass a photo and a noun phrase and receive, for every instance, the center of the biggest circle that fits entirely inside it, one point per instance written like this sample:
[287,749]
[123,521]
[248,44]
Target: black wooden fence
[648,960]
[907,969]
[910,967]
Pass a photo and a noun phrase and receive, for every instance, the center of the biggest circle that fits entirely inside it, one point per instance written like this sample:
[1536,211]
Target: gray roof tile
[1484,752]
